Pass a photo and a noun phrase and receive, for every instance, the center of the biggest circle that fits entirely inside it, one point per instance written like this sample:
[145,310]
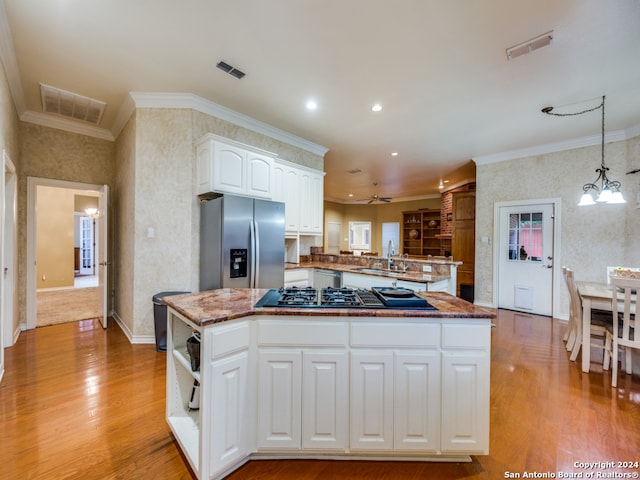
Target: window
[360,236]
[525,237]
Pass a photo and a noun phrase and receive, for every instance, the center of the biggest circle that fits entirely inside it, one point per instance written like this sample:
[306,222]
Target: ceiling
[439,69]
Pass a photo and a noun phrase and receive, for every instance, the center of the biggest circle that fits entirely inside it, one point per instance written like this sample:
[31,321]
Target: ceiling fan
[377,198]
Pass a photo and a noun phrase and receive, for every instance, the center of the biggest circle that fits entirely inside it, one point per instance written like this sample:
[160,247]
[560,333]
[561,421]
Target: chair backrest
[629,288]
[576,304]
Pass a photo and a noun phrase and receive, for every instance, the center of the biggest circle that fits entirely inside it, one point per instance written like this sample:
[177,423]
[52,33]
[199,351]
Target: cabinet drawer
[466,336]
[296,275]
[226,339]
[394,335]
[300,333]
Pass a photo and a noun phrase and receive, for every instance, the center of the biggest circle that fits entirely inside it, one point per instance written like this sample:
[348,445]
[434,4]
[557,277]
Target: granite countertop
[398,275]
[214,306]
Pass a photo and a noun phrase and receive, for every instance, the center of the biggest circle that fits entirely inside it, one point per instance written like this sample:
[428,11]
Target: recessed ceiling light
[394,154]
[311,105]
[351,195]
[376,107]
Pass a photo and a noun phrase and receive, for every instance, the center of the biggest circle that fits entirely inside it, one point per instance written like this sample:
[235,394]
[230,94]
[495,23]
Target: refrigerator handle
[254,253]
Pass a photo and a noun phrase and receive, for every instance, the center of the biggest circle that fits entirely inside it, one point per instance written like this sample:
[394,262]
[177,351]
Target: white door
[87,225]
[525,263]
[101,254]
[390,231]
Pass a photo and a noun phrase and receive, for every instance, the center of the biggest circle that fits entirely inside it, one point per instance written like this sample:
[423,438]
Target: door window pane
[525,237]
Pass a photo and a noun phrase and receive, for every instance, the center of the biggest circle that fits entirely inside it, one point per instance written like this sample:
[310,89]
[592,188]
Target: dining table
[595,295]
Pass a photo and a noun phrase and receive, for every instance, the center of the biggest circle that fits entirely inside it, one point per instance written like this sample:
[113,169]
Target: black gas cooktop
[377,297]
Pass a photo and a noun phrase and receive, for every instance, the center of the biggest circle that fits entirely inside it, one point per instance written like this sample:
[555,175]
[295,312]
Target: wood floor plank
[79,402]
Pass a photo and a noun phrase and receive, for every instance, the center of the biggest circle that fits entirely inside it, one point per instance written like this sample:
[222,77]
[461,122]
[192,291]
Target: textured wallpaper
[158,211]
[590,237]
[123,207]
[55,154]
[9,128]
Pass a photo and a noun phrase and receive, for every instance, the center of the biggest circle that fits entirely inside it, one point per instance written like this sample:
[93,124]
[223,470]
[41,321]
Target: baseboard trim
[134,339]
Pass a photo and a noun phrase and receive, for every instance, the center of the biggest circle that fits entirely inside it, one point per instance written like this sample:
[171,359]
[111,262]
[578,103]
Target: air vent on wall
[71,105]
[230,70]
[530,45]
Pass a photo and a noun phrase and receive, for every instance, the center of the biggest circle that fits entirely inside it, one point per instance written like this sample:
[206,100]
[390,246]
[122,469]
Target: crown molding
[571,144]
[188,100]
[9,62]
[51,121]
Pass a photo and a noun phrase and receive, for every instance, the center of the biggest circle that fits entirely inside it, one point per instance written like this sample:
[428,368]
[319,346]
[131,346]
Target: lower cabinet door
[279,399]
[465,402]
[324,400]
[229,441]
[371,406]
[417,401]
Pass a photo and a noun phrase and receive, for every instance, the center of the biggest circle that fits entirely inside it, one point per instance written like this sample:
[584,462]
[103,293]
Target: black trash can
[160,319]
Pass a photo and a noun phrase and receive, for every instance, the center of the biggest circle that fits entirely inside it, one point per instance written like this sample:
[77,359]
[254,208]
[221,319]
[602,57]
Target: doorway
[390,232]
[8,258]
[525,255]
[66,249]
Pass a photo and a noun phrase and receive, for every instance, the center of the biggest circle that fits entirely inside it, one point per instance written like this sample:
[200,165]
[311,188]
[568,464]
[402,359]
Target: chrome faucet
[404,257]
[390,253]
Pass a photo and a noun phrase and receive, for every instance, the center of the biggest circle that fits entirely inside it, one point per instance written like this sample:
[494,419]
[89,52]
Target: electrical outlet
[426,268]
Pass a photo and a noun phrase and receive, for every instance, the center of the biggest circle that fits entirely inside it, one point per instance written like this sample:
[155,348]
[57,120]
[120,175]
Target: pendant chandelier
[609,190]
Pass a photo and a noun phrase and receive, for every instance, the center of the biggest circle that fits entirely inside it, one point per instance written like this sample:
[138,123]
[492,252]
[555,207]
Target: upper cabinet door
[228,168]
[258,175]
[229,165]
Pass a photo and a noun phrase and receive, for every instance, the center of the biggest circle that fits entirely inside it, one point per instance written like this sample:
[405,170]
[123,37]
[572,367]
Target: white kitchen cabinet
[371,409]
[395,387]
[465,389]
[229,442]
[280,405]
[279,386]
[361,280]
[302,191]
[226,166]
[311,206]
[324,400]
[211,446]
[398,412]
[303,399]
[303,385]
[417,401]
[298,277]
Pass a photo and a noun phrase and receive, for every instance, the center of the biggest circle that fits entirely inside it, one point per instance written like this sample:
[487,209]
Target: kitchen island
[327,383]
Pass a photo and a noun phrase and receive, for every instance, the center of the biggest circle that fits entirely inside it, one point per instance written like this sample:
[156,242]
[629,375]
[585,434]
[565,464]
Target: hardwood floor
[78,402]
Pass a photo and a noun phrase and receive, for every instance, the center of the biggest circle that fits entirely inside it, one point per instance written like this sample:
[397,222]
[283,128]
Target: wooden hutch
[420,230]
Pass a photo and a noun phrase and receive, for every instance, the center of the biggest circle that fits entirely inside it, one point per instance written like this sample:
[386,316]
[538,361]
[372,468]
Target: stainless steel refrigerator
[241,243]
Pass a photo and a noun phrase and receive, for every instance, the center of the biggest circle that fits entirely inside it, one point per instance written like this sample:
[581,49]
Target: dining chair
[623,332]
[572,324]
[600,321]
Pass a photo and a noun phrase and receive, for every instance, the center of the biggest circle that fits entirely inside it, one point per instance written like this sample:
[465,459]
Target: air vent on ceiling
[530,45]
[230,70]
[71,105]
